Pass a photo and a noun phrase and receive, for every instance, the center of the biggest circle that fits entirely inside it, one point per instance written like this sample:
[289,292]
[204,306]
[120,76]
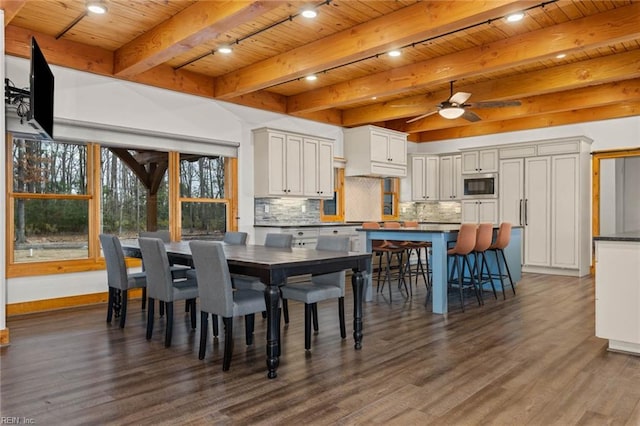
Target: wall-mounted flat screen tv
[40,115]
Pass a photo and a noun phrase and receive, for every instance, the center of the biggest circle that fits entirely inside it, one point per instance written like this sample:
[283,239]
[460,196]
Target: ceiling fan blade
[495,104]
[471,116]
[420,117]
[459,98]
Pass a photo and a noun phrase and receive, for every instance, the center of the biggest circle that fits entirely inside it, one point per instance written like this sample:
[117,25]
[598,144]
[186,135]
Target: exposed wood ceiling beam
[11,9]
[535,122]
[564,77]
[197,24]
[587,97]
[405,26]
[617,25]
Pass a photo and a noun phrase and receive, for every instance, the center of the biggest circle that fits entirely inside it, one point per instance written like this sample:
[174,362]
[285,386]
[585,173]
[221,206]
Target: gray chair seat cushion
[185,289]
[247,302]
[244,282]
[137,280]
[310,293]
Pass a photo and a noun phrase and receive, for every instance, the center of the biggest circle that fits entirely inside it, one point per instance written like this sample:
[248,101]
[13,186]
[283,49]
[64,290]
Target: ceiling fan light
[98,7]
[451,112]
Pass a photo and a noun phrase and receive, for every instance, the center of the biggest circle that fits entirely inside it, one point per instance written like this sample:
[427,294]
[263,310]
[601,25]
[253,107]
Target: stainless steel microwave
[480,185]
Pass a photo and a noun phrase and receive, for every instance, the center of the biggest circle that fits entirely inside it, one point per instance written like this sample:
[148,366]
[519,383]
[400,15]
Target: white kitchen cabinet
[375,151]
[450,177]
[549,196]
[425,177]
[482,161]
[480,211]
[281,169]
[618,293]
[318,168]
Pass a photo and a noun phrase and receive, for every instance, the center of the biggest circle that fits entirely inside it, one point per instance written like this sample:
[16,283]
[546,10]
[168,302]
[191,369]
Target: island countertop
[633,236]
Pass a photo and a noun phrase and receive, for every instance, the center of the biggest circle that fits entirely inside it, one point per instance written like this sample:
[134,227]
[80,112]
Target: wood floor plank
[532,359]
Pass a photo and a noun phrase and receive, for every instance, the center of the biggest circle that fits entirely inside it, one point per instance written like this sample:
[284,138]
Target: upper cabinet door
[276,164]
[418,173]
[484,161]
[293,165]
[379,147]
[325,169]
[397,149]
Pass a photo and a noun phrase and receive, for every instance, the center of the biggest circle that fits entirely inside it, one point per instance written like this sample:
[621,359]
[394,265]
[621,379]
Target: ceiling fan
[456,107]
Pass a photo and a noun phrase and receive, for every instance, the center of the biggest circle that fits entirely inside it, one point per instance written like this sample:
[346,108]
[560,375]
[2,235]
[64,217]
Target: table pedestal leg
[357,281]
[272,300]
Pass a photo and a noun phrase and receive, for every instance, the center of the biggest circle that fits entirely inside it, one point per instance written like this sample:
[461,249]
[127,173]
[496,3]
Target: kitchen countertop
[622,236]
[330,224]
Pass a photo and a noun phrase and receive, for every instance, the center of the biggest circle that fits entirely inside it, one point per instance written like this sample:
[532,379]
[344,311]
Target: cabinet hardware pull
[526,212]
[520,211]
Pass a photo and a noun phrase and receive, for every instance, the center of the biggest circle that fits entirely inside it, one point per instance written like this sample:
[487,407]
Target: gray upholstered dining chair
[235,238]
[118,280]
[217,297]
[178,271]
[320,287]
[162,286]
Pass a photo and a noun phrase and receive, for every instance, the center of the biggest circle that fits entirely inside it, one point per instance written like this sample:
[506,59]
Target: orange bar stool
[502,241]
[420,267]
[484,236]
[382,248]
[465,244]
[404,248]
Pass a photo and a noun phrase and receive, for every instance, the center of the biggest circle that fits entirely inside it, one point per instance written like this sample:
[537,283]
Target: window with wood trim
[390,197]
[333,210]
[63,195]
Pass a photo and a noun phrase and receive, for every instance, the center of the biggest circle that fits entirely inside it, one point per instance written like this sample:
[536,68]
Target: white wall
[92,98]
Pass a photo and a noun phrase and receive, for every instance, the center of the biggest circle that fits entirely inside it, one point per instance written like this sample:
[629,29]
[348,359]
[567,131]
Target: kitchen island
[618,290]
[439,236]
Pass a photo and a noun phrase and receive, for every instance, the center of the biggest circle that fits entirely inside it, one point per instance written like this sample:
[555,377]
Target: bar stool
[484,236]
[404,246]
[465,244]
[420,267]
[502,241]
[382,248]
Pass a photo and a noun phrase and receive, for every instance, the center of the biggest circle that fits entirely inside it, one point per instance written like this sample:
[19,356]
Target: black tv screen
[40,115]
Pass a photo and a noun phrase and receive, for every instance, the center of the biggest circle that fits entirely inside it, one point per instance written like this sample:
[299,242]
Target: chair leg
[144,298]
[214,320]
[161,303]
[285,310]
[379,272]
[506,265]
[192,309]
[473,281]
[150,309]
[459,267]
[204,330]
[343,327]
[249,323]
[485,266]
[110,304]
[504,296]
[168,327]
[387,275]
[314,316]
[123,309]
[307,326]
[228,343]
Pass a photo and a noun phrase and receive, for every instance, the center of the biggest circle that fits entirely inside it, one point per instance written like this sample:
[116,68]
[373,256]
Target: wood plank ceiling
[173,44]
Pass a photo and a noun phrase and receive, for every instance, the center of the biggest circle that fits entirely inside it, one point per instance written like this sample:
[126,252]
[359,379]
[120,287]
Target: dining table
[439,235]
[273,266]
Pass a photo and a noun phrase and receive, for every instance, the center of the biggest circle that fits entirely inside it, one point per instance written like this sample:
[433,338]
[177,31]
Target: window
[333,210]
[204,203]
[62,195]
[49,201]
[390,189]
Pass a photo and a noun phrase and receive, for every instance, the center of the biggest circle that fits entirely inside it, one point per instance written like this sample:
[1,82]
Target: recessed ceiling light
[561,55]
[98,7]
[224,49]
[309,13]
[394,53]
[311,77]
[515,17]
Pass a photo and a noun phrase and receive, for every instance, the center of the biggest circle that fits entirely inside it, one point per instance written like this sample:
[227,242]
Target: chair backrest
[411,224]
[484,236]
[504,236]
[158,270]
[466,239]
[278,240]
[392,225]
[332,243]
[214,280]
[114,258]
[164,235]
[371,225]
[235,238]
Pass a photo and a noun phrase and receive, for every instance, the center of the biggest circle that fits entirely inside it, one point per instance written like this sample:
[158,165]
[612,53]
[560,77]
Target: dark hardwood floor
[530,359]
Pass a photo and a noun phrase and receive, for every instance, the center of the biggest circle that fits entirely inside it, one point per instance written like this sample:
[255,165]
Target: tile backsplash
[286,211]
[436,211]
